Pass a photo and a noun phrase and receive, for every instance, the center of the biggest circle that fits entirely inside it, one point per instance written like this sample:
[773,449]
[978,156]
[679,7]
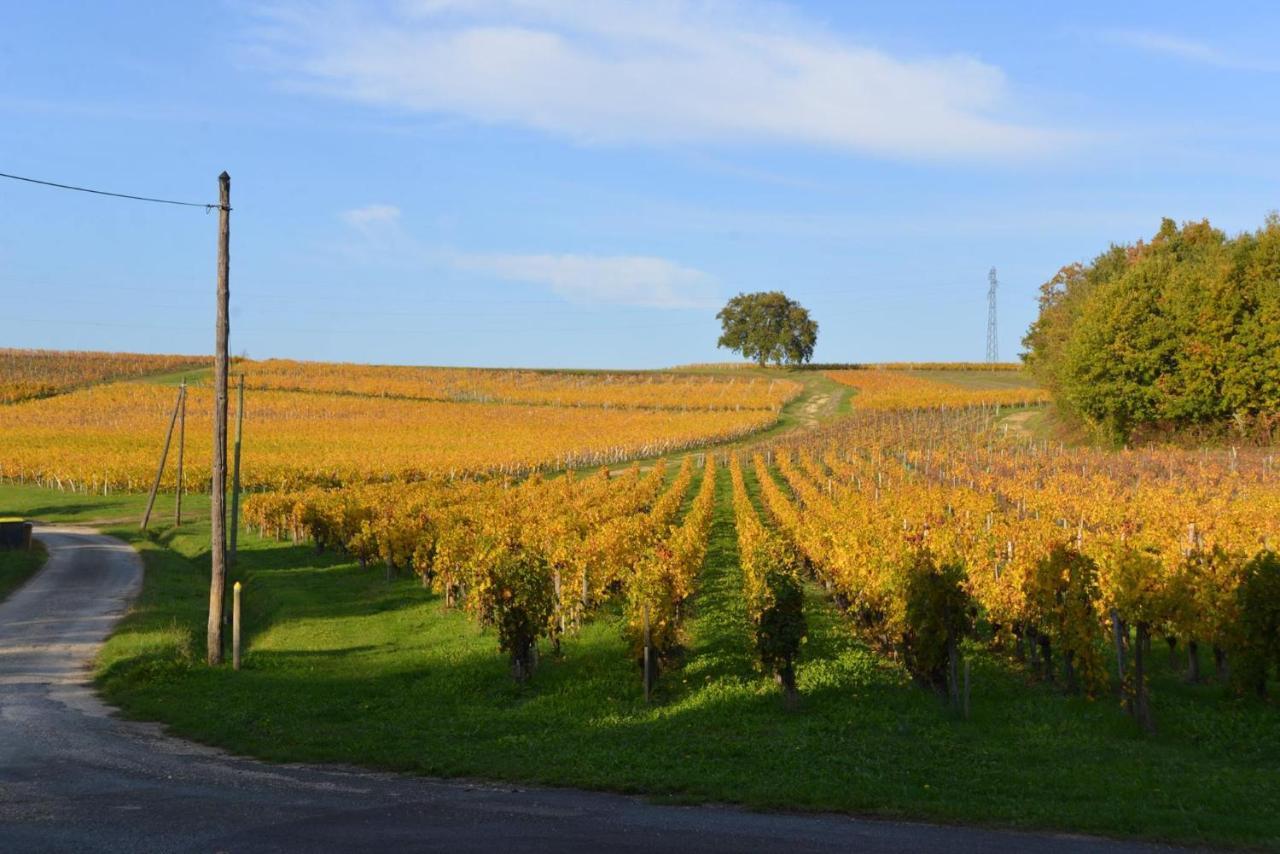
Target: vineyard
[107,437]
[653,390]
[906,594]
[710,549]
[27,374]
[530,559]
[927,528]
[895,388]
[976,367]
[924,524]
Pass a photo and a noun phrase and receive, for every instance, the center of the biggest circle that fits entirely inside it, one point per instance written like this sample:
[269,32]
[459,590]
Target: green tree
[767,327]
[1179,333]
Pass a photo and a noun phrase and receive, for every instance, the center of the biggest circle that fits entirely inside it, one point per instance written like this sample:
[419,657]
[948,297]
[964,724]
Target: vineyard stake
[164,453]
[218,485]
[182,444]
[235,626]
[646,654]
[1117,634]
[235,472]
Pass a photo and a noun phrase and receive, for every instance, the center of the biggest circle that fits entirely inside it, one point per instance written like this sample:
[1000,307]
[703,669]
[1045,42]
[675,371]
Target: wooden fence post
[164,453]
[235,473]
[182,443]
[1117,634]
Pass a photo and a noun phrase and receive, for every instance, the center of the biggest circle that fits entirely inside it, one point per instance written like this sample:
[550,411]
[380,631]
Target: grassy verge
[343,667]
[1046,423]
[197,374]
[17,565]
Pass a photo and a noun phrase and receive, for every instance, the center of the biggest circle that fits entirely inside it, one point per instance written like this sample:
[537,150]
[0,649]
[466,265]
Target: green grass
[795,414]
[1046,423]
[194,375]
[17,565]
[115,510]
[343,667]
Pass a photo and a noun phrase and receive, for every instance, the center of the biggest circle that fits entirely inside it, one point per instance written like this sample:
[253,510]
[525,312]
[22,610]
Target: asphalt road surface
[75,778]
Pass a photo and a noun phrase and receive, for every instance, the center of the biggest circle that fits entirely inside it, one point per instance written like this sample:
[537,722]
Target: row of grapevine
[917,524]
[530,558]
[107,438]
[642,390]
[897,389]
[28,374]
[903,598]
[772,586]
[664,578]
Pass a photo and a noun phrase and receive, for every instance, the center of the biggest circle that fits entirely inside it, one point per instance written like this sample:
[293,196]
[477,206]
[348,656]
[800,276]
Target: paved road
[72,777]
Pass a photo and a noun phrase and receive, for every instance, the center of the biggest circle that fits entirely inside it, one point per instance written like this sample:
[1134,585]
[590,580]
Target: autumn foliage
[894,388]
[107,438]
[27,374]
[1057,550]
[1179,334]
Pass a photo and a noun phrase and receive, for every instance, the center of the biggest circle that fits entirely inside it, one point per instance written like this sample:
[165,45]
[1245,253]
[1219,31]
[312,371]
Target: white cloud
[667,71]
[634,280]
[1187,49]
[375,237]
[371,217]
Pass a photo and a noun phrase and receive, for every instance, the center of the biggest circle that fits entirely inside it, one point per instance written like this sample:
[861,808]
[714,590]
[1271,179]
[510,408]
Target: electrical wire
[207,207]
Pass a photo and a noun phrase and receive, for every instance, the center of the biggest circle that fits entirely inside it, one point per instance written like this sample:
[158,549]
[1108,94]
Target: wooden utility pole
[235,473]
[218,509]
[182,443]
[164,453]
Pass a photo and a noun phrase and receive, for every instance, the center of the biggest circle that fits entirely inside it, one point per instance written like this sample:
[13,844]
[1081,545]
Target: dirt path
[818,402]
[819,407]
[1016,424]
[74,778]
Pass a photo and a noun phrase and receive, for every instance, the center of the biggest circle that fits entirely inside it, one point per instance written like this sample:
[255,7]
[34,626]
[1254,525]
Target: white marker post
[235,626]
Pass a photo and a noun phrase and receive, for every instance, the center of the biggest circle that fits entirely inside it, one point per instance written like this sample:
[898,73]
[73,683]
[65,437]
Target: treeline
[1177,335]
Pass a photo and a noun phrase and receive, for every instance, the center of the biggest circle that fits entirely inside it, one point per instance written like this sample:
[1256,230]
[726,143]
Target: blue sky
[581,184]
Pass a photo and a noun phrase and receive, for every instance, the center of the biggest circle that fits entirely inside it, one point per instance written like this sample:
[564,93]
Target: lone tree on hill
[767,327]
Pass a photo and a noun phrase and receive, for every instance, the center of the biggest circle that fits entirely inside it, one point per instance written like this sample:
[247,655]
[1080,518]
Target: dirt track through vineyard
[1016,424]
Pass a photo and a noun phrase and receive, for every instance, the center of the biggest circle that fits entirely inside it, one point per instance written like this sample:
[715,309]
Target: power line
[207,207]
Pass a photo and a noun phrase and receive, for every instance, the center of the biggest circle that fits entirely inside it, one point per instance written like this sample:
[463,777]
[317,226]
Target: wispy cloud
[611,71]
[371,217]
[632,280]
[635,280]
[1187,49]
